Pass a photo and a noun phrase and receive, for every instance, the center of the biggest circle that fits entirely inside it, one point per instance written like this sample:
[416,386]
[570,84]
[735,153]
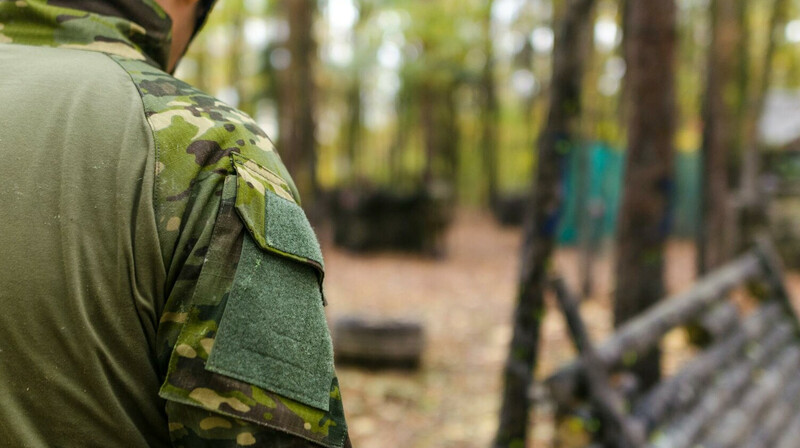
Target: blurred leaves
[381,53]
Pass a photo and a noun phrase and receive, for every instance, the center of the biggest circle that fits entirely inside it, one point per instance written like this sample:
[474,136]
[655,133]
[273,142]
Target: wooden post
[555,140]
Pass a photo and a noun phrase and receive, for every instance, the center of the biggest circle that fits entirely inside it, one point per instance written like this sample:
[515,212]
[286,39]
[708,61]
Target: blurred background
[422,133]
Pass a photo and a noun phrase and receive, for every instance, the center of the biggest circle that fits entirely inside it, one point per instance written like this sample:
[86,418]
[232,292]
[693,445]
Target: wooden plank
[638,336]
[726,390]
[790,437]
[777,419]
[740,421]
[720,321]
[677,393]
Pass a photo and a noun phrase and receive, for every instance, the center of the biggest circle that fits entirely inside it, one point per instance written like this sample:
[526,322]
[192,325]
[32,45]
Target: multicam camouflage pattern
[197,139]
[71,24]
[207,155]
[190,383]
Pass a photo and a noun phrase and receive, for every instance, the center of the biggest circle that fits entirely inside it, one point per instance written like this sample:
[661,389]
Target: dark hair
[203,9]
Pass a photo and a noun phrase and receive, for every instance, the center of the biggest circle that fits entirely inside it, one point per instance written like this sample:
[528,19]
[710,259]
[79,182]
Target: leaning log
[684,432]
[720,321]
[789,438]
[777,420]
[637,337]
[739,421]
[679,392]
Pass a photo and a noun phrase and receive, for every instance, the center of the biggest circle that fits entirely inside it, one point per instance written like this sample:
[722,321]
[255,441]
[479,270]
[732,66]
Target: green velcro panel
[273,332]
[288,230]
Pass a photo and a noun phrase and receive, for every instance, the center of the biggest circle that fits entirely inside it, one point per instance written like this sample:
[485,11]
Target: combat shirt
[160,284]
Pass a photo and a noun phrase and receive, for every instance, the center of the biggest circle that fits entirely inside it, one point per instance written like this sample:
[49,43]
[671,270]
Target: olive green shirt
[82,275]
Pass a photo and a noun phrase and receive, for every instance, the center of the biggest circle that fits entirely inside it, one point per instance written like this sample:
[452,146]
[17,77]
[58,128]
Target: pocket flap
[268,209]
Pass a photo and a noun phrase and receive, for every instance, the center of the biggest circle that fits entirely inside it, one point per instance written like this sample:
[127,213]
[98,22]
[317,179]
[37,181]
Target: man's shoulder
[196,134]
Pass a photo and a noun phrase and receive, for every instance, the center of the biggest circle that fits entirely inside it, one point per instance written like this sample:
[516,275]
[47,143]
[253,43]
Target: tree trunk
[489,113]
[297,144]
[743,63]
[440,130]
[753,218]
[404,124]
[719,135]
[427,115]
[353,137]
[352,141]
[644,212]
[585,218]
[450,135]
[235,77]
[556,140]
[585,210]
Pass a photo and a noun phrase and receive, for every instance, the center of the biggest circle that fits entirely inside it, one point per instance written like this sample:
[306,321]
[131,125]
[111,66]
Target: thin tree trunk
[644,212]
[450,135]
[752,217]
[556,140]
[404,123]
[297,144]
[585,219]
[355,114]
[719,135]
[489,115]
[743,88]
[440,130]
[235,55]
[428,115]
[352,142]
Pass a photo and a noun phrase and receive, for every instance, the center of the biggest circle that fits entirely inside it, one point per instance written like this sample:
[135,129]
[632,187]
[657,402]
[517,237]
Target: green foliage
[379,60]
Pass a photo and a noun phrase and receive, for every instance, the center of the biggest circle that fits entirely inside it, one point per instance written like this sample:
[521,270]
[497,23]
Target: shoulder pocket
[273,332]
[254,344]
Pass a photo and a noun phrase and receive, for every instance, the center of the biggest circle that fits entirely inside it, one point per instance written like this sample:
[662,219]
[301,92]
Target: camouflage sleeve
[199,428]
[243,336]
[219,404]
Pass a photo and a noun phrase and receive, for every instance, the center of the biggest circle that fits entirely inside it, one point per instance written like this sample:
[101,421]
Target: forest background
[450,98]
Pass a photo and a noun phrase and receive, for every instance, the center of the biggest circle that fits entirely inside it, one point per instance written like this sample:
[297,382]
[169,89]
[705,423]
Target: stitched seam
[113,58]
[156,145]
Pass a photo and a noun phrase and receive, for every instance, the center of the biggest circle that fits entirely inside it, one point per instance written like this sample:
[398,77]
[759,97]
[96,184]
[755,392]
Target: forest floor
[465,302]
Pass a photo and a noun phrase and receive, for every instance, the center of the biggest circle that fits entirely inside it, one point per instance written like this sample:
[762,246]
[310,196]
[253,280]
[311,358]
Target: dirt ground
[465,302]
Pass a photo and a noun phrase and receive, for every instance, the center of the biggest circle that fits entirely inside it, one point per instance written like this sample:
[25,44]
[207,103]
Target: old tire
[378,343]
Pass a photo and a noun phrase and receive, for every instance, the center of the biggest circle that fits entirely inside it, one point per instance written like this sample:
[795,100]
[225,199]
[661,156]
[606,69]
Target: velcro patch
[273,332]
